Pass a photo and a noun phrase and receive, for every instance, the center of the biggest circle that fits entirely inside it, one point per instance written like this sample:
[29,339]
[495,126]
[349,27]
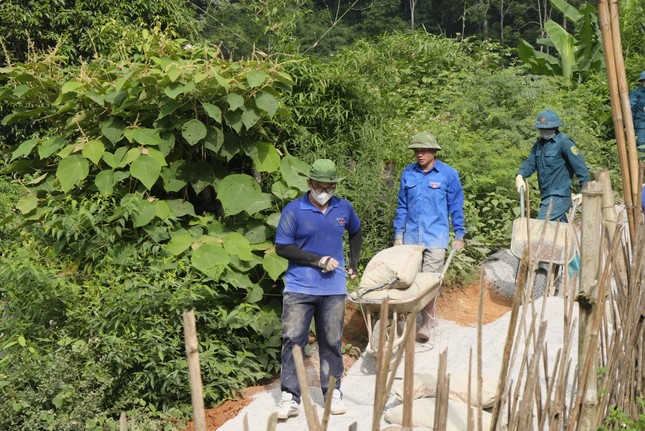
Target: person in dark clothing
[556,160]
[637,101]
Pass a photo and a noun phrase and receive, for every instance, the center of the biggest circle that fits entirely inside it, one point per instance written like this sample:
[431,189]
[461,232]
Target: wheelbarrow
[401,302]
[551,244]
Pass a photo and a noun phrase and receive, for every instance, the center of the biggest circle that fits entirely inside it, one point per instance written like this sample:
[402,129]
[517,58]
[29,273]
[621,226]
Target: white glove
[519,183]
[576,199]
[327,263]
[398,241]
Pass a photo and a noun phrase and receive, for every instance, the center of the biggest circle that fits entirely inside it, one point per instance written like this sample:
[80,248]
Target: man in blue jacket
[430,198]
[310,236]
[556,159]
[637,101]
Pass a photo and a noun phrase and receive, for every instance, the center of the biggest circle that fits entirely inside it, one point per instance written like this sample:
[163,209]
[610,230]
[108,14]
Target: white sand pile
[359,385]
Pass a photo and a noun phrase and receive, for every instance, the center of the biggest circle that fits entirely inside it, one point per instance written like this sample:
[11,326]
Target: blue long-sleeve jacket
[556,161]
[426,200]
[637,101]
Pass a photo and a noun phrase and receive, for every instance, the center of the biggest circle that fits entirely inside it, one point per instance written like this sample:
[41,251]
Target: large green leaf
[27,204]
[143,136]
[239,192]
[193,131]
[569,11]
[146,169]
[213,111]
[105,182]
[294,172]
[113,129]
[211,259]
[236,244]
[93,150]
[266,102]
[255,78]
[179,243]
[234,101]
[72,170]
[51,146]
[146,212]
[564,43]
[274,265]
[24,149]
[282,191]
[264,155]
[180,208]
[250,118]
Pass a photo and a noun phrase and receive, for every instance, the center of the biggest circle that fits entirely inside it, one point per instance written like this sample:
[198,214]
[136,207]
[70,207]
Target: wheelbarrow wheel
[540,283]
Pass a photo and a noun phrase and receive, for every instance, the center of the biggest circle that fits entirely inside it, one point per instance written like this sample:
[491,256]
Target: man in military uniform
[637,101]
[556,159]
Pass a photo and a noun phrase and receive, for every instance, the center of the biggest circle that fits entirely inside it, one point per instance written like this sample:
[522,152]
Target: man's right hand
[327,263]
[398,241]
[519,183]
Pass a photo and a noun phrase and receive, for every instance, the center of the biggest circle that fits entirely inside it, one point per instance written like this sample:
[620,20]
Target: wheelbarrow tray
[401,302]
[549,241]
[409,300]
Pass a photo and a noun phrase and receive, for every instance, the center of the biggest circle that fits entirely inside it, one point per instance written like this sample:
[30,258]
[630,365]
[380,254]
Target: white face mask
[321,198]
[547,134]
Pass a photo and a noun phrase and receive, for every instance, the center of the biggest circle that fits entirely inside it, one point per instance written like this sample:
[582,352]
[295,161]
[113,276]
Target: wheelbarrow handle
[447,264]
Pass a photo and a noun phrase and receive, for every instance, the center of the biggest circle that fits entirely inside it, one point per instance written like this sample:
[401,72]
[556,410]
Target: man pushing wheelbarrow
[556,159]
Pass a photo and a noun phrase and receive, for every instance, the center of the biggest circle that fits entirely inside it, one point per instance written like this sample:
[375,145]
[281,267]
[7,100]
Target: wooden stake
[194,374]
[305,396]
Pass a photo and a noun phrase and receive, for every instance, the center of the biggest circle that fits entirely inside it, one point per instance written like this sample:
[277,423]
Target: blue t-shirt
[302,224]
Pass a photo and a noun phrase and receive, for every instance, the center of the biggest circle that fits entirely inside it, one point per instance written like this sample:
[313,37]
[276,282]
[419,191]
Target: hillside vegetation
[148,180]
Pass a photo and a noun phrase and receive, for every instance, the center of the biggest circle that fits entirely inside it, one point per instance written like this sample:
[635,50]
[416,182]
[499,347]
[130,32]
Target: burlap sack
[392,268]
[425,386]
[423,415]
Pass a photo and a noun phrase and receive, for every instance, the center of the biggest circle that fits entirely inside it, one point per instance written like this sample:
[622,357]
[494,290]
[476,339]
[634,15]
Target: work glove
[398,241]
[576,199]
[458,244]
[327,263]
[519,183]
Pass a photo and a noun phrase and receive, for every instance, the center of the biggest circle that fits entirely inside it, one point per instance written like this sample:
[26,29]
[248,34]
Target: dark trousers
[559,207]
[328,313]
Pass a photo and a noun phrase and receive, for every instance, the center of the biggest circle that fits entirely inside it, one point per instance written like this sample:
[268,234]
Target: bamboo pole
[617,113]
[500,394]
[632,151]
[305,396]
[408,374]
[194,374]
[587,301]
[123,422]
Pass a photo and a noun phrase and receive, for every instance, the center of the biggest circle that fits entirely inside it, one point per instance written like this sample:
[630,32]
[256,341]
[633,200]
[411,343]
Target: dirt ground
[458,305]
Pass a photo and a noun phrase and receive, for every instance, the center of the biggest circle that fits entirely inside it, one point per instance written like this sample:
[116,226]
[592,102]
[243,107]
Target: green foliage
[618,420]
[144,134]
[579,53]
[80,29]
[110,339]
[148,190]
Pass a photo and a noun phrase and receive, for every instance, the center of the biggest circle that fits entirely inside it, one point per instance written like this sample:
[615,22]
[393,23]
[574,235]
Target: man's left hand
[458,244]
[353,273]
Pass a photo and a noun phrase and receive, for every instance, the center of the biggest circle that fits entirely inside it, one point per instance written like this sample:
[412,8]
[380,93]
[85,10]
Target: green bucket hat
[424,140]
[324,170]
